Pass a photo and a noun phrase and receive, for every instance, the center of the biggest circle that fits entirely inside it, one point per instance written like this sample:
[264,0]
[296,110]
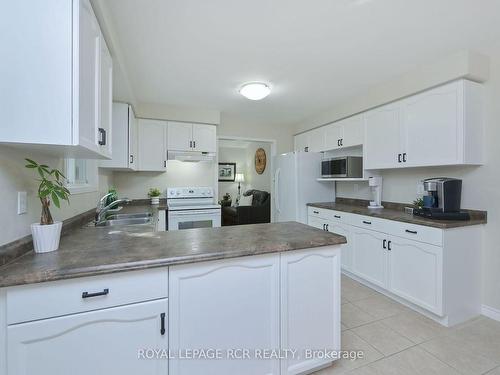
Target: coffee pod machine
[442,199]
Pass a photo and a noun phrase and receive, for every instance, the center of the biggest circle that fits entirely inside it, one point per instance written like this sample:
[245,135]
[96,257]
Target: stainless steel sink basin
[130,216]
[126,221]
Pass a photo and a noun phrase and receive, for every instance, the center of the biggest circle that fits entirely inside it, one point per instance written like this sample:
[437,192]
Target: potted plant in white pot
[154,194]
[46,233]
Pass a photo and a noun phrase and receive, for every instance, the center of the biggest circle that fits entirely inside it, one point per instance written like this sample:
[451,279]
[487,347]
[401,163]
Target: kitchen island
[253,298]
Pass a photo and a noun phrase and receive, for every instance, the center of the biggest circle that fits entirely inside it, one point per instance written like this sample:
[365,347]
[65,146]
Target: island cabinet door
[109,341]
[310,307]
[227,309]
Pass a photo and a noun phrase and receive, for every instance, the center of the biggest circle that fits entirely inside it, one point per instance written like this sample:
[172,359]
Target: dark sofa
[258,212]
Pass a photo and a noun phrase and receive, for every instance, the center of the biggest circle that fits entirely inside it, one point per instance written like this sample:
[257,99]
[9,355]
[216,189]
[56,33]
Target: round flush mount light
[255,90]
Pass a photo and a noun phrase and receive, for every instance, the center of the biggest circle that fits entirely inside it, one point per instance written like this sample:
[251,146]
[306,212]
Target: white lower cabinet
[369,256]
[416,273]
[226,304]
[347,253]
[105,341]
[310,307]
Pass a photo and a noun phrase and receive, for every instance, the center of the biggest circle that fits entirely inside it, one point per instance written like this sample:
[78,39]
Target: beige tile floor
[399,341]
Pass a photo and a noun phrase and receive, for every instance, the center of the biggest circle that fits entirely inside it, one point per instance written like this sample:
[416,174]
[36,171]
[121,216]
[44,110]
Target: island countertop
[92,251]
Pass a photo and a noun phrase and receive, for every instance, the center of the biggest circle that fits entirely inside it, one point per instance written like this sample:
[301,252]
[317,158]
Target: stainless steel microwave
[342,167]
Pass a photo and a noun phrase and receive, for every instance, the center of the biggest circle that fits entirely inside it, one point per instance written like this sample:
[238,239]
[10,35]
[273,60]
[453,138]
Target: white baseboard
[490,312]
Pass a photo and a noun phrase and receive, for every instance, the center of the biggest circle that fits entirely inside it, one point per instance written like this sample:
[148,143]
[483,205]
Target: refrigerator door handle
[276,189]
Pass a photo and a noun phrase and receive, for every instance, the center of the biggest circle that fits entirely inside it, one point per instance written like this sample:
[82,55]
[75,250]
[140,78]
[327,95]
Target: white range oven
[192,207]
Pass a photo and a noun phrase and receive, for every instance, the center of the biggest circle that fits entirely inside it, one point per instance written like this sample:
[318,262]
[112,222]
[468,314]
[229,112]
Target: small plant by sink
[51,189]
[154,194]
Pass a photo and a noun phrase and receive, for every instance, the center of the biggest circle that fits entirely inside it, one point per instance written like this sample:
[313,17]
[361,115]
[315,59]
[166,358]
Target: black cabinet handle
[162,320]
[315,212]
[341,141]
[399,158]
[102,137]
[164,164]
[404,157]
[336,216]
[131,159]
[367,222]
[411,231]
[327,227]
[384,244]
[389,245]
[338,142]
[306,149]
[194,144]
[97,294]
[190,144]
[324,226]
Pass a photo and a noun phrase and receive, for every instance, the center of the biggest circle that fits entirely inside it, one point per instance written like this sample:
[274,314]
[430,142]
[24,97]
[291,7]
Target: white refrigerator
[295,185]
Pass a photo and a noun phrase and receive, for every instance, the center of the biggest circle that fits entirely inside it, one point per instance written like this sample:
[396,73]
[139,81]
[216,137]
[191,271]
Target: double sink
[142,218]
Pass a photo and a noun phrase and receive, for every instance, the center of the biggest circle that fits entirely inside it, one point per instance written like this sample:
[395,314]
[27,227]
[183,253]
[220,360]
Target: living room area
[245,181]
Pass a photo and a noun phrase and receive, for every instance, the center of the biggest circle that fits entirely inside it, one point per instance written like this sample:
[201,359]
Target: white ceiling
[196,53]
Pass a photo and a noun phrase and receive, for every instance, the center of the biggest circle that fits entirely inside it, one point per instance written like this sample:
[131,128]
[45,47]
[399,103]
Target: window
[81,175]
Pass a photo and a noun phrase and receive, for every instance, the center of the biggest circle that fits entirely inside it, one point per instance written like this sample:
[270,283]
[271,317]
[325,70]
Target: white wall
[135,185]
[15,177]
[167,112]
[244,157]
[481,185]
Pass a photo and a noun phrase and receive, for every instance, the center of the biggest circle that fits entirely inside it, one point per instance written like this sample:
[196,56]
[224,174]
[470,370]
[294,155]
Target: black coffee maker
[442,199]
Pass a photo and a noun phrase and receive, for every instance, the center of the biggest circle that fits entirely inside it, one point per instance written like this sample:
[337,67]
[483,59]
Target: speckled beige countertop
[395,211]
[91,251]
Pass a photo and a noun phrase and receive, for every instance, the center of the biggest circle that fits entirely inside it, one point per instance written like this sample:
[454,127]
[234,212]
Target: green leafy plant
[51,189]
[112,197]
[419,202]
[154,192]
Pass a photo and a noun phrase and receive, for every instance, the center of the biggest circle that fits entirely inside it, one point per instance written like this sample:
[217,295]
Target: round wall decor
[260,160]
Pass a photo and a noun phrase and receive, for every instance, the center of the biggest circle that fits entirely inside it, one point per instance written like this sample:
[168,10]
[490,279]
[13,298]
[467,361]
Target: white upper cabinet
[53,67]
[344,133]
[301,142]
[152,150]
[441,126]
[383,138]
[124,141]
[184,136]
[106,101]
[204,138]
[316,139]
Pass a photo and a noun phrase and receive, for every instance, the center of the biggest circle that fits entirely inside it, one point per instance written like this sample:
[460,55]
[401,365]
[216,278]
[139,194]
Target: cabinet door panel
[180,136]
[432,121]
[133,161]
[301,142]
[225,304]
[316,222]
[106,98]
[310,303]
[152,147]
[204,138]
[333,134]
[317,140]
[353,131]
[369,257]
[97,342]
[416,273]
[382,138]
[343,230]
[89,78]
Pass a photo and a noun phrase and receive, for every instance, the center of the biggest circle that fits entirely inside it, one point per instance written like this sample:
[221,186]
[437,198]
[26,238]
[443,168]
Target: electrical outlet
[22,198]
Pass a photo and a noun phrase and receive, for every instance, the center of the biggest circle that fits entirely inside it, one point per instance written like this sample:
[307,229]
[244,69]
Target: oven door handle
[194,212]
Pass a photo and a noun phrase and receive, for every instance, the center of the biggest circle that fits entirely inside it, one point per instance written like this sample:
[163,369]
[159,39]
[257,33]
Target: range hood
[192,156]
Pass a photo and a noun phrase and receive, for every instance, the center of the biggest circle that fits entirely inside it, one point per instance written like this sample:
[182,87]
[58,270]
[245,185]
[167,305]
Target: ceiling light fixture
[255,90]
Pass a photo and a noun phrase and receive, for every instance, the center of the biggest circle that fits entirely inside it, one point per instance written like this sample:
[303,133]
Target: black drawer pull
[367,222]
[384,244]
[315,212]
[411,231]
[336,216]
[97,294]
[162,319]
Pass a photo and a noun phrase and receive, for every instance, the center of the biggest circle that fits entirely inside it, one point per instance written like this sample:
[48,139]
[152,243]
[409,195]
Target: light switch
[22,198]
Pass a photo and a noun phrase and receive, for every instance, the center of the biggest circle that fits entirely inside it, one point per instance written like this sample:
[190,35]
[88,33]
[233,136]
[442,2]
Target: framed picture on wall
[227,172]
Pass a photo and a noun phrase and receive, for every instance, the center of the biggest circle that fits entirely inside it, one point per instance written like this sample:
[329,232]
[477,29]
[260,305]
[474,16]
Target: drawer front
[331,215]
[46,300]
[371,223]
[319,213]
[433,236]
